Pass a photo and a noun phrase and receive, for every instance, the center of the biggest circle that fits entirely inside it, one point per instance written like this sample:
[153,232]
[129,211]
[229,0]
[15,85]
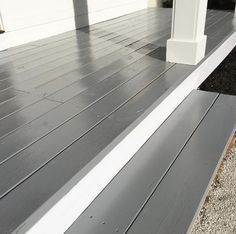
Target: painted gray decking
[65,99]
[163,185]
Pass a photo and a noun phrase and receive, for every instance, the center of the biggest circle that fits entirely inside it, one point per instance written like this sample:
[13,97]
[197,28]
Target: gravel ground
[218,214]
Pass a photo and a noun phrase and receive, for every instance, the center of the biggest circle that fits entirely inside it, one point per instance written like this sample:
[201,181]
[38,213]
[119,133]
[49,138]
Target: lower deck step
[163,186]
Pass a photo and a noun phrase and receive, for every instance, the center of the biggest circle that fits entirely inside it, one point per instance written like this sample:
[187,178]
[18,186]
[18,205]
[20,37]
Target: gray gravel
[218,214]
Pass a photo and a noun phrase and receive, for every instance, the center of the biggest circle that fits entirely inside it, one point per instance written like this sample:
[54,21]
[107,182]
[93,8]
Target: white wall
[29,20]
[154,3]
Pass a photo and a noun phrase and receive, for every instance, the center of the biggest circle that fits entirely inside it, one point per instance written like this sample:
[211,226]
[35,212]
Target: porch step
[75,108]
[163,186]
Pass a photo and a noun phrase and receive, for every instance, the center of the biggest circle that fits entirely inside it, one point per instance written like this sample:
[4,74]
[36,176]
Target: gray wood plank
[9,94]
[23,103]
[32,69]
[13,121]
[227,25]
[122,199]
[72,87]
[34,157]
[133,47]
[81,38]
[41,126]
[137,47]
[84,55]
[74,66]
[61,67]
[214,16]
[49,56]
[13,105]
[14,50]
[4,84]
[176,200]
[78,158]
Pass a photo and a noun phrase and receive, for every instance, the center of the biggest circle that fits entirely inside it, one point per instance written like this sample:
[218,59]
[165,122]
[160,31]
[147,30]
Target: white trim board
[87,189]
[1,23]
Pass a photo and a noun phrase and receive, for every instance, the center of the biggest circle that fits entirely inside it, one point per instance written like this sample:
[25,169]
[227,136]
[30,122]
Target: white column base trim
[186,52]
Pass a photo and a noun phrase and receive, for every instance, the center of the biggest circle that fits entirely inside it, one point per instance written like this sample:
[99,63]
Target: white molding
[188,42]
[59,218]
[186,52]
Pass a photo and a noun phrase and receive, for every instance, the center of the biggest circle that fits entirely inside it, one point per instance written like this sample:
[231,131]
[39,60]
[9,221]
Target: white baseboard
[186,52]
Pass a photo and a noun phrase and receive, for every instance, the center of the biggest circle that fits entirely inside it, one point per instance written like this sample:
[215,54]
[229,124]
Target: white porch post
[187,43]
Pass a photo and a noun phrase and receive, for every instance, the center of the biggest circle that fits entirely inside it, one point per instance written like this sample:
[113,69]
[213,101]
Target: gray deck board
[81,42]
[60,67]
[122,199]
[9,94]
[16,120]
[178,196]
[45,88]
[119,122]
[102,80]
[161,189]
[42,151]
[53,109]
[70,109]
[17,104]
[65,80]
[227,26]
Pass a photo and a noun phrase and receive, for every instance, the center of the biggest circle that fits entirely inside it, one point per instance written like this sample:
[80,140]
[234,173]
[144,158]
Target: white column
[187,43]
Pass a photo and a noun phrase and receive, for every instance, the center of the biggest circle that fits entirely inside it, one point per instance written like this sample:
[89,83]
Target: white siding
[29,20]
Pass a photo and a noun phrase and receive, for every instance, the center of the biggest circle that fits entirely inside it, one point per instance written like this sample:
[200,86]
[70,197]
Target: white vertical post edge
[1,23]
[187,44]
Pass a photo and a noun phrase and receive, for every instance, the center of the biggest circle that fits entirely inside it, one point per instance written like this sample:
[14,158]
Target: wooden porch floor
[69,98]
